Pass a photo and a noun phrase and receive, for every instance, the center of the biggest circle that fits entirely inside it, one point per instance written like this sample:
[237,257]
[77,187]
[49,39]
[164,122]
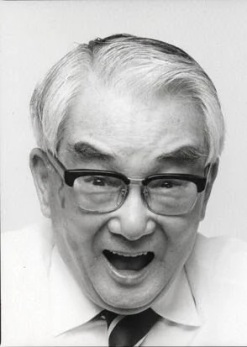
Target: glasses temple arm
[58,166]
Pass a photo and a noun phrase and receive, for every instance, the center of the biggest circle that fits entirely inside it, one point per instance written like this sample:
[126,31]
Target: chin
[128,307]
[129,301]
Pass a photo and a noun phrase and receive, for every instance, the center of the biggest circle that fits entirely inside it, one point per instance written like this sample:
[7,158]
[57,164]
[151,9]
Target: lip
[128,277]
[126,254]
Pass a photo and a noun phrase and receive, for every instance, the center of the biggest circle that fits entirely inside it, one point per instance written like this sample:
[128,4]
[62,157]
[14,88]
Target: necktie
[129,330]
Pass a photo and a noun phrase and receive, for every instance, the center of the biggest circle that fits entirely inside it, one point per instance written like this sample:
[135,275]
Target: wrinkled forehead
[124,127]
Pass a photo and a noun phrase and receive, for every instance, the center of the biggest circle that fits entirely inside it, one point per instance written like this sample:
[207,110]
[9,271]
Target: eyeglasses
[100,191]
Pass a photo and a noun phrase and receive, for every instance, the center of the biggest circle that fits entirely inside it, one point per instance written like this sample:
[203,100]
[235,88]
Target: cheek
[62,203]
[181,234]
[78,230]
[179,228]
[77,239]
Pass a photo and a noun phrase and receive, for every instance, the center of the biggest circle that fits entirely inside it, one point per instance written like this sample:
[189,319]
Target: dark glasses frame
[70,175]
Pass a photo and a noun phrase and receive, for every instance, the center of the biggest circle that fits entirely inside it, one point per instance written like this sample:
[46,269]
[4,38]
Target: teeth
[129,254]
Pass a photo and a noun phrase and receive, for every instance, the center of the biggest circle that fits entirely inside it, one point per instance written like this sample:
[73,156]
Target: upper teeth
[130,255]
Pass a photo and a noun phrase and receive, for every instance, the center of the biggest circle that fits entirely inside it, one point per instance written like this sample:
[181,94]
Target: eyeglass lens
[163,196]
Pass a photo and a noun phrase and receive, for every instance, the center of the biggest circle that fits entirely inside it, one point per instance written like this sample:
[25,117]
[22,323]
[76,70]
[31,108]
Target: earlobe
[40,171]
[212,174]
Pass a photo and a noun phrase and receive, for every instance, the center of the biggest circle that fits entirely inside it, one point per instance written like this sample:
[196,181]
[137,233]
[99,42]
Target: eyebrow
[88,152]
[184,154]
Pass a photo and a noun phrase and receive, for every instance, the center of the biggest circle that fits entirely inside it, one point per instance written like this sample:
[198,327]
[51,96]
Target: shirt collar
[178,304]
[70,308]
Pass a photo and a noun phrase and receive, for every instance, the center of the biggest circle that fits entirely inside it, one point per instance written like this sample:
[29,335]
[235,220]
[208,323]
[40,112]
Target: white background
[34,35]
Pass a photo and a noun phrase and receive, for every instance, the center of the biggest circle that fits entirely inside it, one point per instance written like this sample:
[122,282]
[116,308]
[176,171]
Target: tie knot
[108,316]
[129,330]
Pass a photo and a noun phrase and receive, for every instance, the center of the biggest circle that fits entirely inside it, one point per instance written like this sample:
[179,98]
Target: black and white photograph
[123,173]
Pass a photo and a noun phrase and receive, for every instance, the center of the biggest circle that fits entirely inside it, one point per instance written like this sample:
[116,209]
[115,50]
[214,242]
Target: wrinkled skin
[133,134]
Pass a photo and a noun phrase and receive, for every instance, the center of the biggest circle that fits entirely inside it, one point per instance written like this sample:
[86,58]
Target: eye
[165,183]
[103,181]
[96,181]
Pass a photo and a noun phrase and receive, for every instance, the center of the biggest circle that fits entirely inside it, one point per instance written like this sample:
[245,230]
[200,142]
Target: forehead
[129,128]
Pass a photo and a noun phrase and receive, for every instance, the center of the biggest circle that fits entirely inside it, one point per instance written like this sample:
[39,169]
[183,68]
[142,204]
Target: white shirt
[43,305]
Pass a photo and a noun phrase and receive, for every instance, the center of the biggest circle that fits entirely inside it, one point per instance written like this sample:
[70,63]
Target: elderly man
[129,133]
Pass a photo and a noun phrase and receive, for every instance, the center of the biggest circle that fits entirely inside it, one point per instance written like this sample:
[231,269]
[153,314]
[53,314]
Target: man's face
[108,132]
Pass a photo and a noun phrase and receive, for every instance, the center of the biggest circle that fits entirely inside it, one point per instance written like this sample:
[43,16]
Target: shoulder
[218,266]
[217,273]
[26,245]
[15,243]
[222,255]
[25,263]
[25,253]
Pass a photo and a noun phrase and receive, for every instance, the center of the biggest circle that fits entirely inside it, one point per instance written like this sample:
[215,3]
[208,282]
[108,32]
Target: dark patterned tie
[129,330]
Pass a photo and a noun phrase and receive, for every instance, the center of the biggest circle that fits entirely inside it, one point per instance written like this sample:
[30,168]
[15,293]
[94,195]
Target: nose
[132,220]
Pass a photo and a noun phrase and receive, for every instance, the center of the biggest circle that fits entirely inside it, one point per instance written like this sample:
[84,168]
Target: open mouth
[134,262]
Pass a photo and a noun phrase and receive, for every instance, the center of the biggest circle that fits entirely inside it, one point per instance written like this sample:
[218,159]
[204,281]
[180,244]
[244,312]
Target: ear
[211,176]
[40,167]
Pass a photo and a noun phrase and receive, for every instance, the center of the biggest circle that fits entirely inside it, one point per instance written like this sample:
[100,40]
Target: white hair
[128,64]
